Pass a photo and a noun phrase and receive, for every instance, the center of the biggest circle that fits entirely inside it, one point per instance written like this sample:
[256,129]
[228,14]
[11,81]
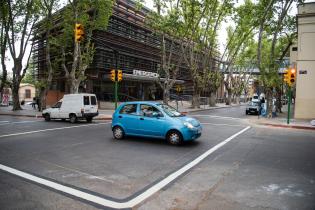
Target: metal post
[116,78]
[289,105]
[116,93]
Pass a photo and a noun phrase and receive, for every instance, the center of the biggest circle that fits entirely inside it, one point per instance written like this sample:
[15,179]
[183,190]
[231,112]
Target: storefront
[140,85]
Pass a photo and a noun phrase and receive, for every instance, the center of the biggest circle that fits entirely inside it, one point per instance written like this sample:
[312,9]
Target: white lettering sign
[145,73]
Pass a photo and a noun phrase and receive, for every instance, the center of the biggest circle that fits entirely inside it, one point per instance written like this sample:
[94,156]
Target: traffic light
[78,32]
[292,76]
[120,75]
[286,77]
[113,75]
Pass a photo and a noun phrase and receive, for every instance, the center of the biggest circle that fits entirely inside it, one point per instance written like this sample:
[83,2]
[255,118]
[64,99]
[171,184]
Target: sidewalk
[106,114]
[281,121]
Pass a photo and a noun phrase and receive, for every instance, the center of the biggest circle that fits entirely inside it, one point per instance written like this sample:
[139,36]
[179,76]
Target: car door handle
[119,116]
[141,118]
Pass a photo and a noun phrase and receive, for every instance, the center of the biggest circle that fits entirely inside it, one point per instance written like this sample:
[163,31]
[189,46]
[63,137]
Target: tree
[29,75]
[47,7]
[271,27]
[238,37]
[171,33]
[203,19]
[19,21]
[3,45]
[76,56]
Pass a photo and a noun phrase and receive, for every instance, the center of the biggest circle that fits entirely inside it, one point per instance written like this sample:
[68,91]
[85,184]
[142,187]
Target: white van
[73,107]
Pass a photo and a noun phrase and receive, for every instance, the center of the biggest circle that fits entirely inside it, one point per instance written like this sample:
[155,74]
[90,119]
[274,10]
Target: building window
[294,48]
[27,93]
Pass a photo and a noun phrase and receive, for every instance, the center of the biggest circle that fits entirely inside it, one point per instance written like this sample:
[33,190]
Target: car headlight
[188,125]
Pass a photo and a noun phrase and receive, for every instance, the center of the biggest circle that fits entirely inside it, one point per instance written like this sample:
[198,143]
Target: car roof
[143,102]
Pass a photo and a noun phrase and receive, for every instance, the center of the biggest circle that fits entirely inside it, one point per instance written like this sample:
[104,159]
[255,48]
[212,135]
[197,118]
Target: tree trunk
[237,99]
[43,95]
[212,99]
[166,95]
[229,97]
[15,96]
[73,86]
[279,102]
[269,103]
[195,100]
[196,96]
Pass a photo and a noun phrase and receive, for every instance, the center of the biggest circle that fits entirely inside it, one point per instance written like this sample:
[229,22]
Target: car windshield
[170,111]
[252,103]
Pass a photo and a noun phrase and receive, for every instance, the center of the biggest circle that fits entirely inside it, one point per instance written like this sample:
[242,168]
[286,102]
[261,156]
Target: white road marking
[133,202]
[220,117]
[4,121]
[51,129]
[222,124]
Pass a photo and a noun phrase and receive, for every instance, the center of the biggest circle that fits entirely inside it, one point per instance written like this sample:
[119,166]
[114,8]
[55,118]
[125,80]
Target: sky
[222,36]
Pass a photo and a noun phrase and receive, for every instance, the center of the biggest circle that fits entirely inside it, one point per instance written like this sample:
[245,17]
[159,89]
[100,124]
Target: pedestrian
[34,103]
[38,104]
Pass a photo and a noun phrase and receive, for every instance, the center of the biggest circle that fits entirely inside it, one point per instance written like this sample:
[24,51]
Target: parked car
[252,107]
[156,120]
[255,98]
[73,107]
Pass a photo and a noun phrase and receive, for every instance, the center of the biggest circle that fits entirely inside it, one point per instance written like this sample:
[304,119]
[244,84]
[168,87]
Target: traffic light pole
[289,105]
[116,78]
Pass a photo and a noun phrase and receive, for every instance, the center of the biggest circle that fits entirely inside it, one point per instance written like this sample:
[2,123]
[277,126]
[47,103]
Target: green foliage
[29,76]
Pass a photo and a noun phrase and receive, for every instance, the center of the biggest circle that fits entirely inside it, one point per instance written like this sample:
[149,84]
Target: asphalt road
[259,168]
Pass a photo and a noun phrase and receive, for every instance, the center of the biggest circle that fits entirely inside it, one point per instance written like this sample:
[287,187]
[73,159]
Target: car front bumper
[191,134]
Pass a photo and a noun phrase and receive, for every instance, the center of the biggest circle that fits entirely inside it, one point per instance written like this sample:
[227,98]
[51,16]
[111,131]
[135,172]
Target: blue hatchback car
[156,120]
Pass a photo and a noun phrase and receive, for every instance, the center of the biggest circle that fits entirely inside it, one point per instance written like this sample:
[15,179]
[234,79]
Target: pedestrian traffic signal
[292,76]
[78,32]
[120,75]
[113,75]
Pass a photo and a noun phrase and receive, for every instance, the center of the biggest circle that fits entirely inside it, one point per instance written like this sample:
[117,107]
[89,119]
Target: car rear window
[93,100]
[129,109]
[86,100]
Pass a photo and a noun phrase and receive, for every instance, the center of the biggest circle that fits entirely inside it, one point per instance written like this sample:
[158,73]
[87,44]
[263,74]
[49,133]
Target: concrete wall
[305,85]
[22,92]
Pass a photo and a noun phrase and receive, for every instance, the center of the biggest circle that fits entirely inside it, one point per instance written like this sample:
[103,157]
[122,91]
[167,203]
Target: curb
[289,126]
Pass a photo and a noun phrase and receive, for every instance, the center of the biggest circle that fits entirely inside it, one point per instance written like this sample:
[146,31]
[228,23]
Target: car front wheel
[73,118]
[174,138]
[47,117]
[118,132]
[89,119]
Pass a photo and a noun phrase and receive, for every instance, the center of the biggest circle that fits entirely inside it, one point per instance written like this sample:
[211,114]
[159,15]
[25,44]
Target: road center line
[120,205]
[51,129]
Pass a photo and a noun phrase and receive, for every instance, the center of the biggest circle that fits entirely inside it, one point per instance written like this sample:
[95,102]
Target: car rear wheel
[174,137]
[47,117]
[118,132]
[73,118]
[89,119]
